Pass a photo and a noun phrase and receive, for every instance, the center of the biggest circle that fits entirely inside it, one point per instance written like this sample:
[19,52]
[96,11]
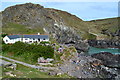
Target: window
[30,41]
[33,39]
[44,39]
[38,39]
[6,40]
[26,39]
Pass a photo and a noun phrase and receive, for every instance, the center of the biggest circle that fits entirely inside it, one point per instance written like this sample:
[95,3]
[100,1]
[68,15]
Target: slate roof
[29,36]
[13,36]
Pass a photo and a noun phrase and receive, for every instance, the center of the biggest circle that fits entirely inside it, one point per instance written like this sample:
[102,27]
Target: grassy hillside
[89,29]
[14,28]
[27,72]
[30,18]
[111,24]
[80,26]
[106,27]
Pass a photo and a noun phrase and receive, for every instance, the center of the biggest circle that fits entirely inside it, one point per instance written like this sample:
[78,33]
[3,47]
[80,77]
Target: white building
[10,39]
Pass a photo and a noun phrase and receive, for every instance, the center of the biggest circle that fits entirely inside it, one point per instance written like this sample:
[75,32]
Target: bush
[5,48]
[3,42]
[44,42]
[36,51]
[3,35]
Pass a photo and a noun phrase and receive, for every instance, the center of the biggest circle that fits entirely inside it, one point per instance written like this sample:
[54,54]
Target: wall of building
[27,40]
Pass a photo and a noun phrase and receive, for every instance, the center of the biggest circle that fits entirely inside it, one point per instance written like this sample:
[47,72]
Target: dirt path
[28,65]
[3,62]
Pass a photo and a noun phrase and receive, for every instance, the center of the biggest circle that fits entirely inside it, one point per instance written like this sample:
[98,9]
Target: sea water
[93,50]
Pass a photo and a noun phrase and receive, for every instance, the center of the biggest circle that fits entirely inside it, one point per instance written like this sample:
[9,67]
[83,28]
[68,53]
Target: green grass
[24,72]
[28,53]
[0,72]
[27,72]
[110,24]
[19,58]
[14,28]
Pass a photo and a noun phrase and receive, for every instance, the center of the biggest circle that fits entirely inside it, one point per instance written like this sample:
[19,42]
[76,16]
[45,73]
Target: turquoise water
[93,50]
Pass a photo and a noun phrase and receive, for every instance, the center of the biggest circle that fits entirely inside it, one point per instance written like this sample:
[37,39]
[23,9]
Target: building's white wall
[11,41]
[16,40]
[27,40]
[6,40]
[44,40]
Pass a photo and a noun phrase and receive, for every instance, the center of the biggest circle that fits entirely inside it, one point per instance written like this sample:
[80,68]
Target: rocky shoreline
[111,62]
[108,59]
[104,43]
[100,66]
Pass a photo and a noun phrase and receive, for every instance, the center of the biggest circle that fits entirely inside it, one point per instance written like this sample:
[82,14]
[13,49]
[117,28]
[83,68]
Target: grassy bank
[27,72]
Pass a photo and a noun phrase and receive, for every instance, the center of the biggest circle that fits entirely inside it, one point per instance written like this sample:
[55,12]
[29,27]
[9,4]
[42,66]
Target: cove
[93,50]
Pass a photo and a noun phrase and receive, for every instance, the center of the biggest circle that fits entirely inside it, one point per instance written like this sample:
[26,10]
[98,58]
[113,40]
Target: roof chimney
[38,33]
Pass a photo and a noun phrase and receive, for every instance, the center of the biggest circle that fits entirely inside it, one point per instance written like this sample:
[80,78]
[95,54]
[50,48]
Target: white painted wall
[27,40]
[11,41]
[7,40]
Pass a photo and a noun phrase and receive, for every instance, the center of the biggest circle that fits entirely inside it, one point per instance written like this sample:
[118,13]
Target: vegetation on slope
[27,72]
[107,27]
[110,24]
[14,28]
[73,22]
[28,52]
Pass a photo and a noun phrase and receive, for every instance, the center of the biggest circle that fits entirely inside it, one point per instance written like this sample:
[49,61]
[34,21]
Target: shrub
[5,48]
[44,42]
[3,35]
[36,51]
[3,42]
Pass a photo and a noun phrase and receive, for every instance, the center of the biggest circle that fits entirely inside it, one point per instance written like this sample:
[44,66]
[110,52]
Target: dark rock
[108,59]
[85,67]
[111,63]
[52,73]
[104,43]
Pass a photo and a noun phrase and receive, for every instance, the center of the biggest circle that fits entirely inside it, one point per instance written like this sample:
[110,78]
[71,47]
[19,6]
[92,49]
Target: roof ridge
[27,34]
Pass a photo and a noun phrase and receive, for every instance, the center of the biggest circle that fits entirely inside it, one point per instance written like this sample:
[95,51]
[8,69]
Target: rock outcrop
[85,67]
[111,63]
[104,43]
[108,59]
